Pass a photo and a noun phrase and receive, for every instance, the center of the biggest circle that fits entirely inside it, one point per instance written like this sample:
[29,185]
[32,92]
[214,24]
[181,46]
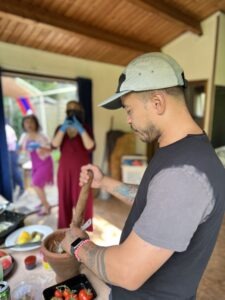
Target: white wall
[196,54]
[104,77]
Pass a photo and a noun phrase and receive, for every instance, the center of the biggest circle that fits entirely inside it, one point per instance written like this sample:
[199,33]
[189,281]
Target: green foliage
[43,85]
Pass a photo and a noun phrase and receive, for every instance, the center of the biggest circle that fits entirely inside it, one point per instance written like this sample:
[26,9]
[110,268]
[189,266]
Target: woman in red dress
[76,143]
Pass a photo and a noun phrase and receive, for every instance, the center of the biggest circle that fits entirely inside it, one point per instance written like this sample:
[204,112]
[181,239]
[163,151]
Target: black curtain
[85,98]
[218,128]
[5,177]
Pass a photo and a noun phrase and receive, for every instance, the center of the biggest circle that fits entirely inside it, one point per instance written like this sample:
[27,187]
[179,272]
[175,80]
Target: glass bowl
[25,291]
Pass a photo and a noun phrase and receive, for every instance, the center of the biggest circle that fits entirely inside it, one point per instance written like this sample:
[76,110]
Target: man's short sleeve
[178,200]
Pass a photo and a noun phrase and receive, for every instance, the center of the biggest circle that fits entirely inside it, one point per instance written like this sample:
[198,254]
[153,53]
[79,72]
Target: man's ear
[159,102]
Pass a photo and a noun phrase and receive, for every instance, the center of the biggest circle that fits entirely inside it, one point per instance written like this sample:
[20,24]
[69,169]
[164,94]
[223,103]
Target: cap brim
[114,102]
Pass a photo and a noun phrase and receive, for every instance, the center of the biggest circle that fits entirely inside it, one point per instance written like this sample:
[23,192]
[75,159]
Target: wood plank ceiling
[111,31]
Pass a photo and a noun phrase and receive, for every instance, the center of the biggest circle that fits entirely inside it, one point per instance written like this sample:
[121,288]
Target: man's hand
[70,236]
[97,175]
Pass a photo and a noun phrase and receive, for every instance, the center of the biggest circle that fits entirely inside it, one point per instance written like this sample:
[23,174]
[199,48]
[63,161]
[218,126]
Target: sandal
[43,211]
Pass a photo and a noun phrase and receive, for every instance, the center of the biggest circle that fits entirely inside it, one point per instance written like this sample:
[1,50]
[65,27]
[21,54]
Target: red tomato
[85,294]
[71,297]
[58,293]
[66,293]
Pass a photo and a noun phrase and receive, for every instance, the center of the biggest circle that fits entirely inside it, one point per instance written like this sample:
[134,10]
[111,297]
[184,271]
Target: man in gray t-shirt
[179,205]
[171,216]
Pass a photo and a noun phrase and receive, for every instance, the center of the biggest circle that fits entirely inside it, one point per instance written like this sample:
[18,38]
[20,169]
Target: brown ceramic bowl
[63,264]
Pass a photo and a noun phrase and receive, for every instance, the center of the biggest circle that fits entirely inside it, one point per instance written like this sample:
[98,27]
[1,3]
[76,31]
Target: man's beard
[148,135]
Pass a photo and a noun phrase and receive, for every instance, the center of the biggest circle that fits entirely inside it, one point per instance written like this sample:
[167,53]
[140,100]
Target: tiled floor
[109,218]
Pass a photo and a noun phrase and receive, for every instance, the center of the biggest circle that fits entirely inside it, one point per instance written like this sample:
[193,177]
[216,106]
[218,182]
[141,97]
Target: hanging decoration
[25,105]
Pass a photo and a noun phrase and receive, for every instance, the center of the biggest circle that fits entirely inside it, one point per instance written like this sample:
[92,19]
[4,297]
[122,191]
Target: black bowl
[17,220]
[76,283]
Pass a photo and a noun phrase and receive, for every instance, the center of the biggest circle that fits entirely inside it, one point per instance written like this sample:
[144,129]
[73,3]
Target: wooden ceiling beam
[171,13]
[28,11]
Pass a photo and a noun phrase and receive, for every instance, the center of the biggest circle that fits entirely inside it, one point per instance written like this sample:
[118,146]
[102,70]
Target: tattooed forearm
[100,255]
[127,191]
[94,259]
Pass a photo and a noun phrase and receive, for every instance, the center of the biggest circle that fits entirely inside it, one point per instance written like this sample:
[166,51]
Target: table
[40,276]
[44,278]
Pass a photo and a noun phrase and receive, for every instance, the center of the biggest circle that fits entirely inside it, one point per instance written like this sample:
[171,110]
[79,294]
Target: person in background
[15,170]
[38,146]
[178,207]
[75,140]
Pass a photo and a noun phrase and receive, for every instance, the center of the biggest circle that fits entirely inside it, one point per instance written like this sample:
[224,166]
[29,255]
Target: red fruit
[58,293]
[67,293]
[85,294]
[6,261]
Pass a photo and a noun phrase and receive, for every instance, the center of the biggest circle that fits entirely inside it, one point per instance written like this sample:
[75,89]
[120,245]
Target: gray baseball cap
[147,72]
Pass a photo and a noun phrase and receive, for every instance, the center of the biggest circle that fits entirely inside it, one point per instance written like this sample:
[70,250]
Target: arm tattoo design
[95,260]
[127,190]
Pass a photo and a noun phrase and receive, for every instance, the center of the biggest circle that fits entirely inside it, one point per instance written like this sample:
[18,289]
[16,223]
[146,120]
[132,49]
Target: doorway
[23,94]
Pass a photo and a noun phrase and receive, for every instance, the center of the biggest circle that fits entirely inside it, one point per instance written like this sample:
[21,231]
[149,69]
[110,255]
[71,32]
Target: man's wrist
[104,182]
[76,252]
[77,245]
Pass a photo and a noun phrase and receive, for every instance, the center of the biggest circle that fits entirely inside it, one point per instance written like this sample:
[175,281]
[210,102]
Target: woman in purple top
[37,144]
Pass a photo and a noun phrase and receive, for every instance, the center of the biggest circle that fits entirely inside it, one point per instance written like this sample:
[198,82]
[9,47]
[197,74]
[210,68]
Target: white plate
[12,238]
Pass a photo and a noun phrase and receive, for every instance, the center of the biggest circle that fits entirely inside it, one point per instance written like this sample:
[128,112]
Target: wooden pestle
[79,210]
[63,264]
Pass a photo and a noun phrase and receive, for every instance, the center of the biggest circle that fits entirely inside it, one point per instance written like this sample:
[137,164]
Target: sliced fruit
[6,261]
[25,235]
[23,238]
[36,237]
